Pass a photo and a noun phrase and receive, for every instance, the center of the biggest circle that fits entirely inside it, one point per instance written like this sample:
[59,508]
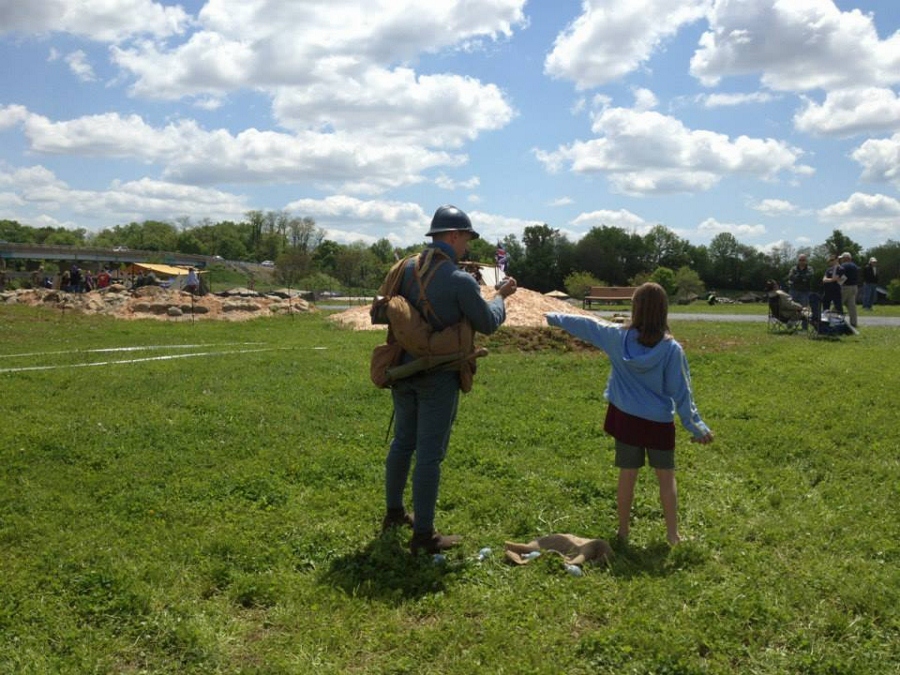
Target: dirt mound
[523,309]
[154,302]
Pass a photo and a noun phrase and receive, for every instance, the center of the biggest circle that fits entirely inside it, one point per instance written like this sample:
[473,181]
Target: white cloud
[78,64]
[12,115]
[102,20]
[446,183]
[711,226]
[494,227]
[30,178]
[360,118]
[775,246]
[646,152]
[435,111]
[610,40]
[562,201]
[245,44]
[209,103]
[188,153]
[775,207]
[863,205]
[862,212]
[880,159]
[851,111]
[10,201]
[795,45]
[348,219]
[644,99]
[622,218]
[732,100]
[38,191]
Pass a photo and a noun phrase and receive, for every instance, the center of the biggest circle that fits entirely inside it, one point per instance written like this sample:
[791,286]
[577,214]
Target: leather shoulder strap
[424,270]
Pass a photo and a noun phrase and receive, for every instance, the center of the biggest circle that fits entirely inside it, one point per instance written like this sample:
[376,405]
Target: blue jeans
[801,297]
[870,295]
[424,411]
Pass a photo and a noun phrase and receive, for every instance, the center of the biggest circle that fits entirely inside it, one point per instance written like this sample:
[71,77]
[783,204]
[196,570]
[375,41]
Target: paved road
[865,319]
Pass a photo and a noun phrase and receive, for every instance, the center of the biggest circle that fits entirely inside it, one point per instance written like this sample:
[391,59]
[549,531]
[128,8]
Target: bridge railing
[77,253]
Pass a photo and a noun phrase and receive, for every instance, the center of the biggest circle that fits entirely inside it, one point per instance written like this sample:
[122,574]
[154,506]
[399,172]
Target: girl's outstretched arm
[593,330]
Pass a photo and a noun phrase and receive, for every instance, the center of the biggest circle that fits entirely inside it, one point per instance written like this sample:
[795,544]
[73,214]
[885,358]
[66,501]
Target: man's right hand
[507,288]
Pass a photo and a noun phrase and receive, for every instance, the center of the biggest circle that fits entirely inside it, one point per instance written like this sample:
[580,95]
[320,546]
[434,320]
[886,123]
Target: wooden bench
[608,294]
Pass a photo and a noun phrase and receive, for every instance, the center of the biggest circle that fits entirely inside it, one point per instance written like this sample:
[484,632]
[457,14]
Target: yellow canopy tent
[171,275]
[166,270]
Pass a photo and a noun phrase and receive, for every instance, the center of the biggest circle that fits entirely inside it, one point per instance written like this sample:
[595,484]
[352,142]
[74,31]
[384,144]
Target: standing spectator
[65,281]
[801,280]
[870,284]
[850,289]
[831,285]
[88,281]
[648,384]
[425,405]
[75,280]
[103,279]
[192,283]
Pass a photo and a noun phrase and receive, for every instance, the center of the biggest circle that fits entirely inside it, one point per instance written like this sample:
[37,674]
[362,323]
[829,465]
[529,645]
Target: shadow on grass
[385,570]
[658,559]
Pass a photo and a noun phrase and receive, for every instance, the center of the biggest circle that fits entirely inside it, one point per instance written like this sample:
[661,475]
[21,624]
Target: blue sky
[775,120]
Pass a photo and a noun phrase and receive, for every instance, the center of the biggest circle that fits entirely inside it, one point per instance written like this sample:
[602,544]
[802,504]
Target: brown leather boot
[396,518]
[432,542]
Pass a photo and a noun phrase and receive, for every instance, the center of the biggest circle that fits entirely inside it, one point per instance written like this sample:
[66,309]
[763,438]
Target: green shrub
[578,284]
[893,291]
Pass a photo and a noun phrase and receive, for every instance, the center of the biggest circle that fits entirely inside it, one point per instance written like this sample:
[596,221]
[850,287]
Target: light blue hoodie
[649,382]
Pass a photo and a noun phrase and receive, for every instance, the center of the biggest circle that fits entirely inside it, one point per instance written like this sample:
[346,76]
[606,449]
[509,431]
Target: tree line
[543,260]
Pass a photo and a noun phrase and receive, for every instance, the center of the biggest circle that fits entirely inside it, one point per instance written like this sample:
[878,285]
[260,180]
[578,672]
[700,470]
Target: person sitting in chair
[781,306]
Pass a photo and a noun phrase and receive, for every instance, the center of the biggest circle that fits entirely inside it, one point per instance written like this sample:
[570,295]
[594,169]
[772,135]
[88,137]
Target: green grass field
[218,512]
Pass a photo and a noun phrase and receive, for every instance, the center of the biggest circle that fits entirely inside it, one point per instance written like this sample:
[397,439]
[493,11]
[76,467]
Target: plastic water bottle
[439,559]
[531,555]
[484,553]
[574,570]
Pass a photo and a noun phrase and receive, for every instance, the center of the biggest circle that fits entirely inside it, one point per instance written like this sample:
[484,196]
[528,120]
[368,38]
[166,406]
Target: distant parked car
[267,263]
[120,249]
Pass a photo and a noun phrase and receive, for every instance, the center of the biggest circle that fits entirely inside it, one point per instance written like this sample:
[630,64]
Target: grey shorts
[632,457]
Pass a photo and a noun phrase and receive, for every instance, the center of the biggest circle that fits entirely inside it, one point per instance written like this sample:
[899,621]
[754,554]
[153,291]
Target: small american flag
[502,259]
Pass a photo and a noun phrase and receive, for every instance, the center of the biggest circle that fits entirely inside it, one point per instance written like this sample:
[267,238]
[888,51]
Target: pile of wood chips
[523,309]
[154,302]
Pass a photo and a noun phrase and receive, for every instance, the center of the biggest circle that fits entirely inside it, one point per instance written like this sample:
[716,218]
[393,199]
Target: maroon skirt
[638,431]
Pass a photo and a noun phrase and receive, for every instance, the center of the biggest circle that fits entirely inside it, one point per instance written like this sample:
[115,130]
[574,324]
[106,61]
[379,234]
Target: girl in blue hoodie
[650,381]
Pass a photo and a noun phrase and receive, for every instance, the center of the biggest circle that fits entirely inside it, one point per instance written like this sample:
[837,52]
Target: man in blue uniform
[425,404]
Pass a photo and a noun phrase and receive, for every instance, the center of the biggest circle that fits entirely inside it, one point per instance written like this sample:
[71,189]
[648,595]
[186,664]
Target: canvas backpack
[409,329]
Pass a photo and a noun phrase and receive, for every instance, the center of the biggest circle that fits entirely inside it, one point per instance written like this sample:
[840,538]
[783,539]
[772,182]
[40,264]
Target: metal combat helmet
[448,218]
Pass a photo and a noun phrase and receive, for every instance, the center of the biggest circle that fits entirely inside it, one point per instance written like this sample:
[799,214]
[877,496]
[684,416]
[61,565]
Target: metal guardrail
[10,251]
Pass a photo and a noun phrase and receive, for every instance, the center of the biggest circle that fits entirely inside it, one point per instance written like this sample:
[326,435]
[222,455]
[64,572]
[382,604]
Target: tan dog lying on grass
[574,550]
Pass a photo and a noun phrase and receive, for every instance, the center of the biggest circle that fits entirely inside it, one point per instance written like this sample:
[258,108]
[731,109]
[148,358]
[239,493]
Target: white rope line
[127,349]
[143,360]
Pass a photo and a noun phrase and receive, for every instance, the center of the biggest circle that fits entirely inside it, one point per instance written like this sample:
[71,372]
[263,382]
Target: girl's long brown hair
[650,313]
